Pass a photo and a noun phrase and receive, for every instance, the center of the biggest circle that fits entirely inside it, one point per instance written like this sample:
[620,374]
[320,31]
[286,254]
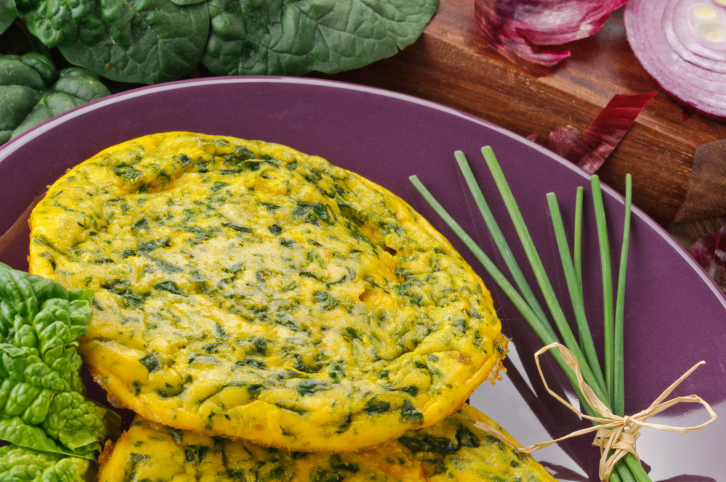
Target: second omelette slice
[249,290]
[453,450]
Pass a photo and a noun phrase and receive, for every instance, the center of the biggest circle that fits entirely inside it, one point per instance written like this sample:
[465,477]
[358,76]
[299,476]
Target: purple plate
[675,316]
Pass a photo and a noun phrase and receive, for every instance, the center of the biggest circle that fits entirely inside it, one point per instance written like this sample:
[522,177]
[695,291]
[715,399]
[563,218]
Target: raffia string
[613,432]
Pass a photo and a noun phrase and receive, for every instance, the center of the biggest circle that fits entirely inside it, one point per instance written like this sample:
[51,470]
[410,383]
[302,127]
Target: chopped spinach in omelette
[453,450]
[249,290]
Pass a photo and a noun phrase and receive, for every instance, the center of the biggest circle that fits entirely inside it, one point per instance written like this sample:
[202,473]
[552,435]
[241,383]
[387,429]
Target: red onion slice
[590,149]
[682,45]
[685,41]
[518,29]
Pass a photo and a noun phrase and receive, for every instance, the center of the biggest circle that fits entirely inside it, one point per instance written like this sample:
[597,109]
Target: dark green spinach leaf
[152,41]
[8,12]
[278,37]
[146,41]
[32,92]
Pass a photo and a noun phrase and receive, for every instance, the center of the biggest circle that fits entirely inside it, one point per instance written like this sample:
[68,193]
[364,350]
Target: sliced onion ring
[682,45]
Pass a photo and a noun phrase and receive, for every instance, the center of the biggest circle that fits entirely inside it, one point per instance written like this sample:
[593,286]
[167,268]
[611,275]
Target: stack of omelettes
[270,316]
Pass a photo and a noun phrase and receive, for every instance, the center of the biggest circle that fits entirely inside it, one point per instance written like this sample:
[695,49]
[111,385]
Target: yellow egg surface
[453,450]
[249,290]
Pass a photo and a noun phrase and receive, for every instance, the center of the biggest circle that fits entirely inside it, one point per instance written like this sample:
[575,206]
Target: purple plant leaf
[517,29]
[710,253]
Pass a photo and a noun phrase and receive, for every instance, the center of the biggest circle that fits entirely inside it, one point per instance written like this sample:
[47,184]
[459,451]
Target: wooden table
[452,65]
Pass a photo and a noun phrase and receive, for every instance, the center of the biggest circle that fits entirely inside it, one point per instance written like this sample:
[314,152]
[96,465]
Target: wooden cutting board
[452,65]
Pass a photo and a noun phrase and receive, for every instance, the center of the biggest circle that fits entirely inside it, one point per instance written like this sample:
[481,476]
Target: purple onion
[682,45]
[520,29]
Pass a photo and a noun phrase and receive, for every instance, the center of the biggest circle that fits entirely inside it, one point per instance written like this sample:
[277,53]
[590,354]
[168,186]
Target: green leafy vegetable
[19,464]
[147,41]
[292,38]
[8,12]
[32,91]
[42,403]
[153,41]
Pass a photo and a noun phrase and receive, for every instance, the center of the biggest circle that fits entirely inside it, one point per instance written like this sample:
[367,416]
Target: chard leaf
[146,41]
[291,38]
[19,464]
[42,403]
[8,12]
[33,91]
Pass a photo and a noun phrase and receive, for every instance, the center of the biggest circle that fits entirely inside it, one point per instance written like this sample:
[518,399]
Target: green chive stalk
[577,245]
[501,242]
[540,274]
[517,300]
[607,284]
[627,469]
[574,287]
[619,335]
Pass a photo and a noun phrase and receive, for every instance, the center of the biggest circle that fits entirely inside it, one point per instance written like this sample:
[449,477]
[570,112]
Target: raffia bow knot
[615,435]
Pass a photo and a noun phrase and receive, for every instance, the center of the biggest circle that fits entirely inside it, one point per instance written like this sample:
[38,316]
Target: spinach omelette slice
[452,450]
[248,290]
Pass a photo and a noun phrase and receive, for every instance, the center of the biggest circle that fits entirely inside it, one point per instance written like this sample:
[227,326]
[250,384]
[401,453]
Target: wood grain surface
[450,64]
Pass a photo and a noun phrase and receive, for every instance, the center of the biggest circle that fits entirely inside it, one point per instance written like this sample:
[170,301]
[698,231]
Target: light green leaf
[21,434]
[8,13]
[30,94]
[146,41]
[42,403]
[19,464]
[279,37]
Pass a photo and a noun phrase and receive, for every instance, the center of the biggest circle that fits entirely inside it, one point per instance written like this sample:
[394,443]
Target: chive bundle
[608,387]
